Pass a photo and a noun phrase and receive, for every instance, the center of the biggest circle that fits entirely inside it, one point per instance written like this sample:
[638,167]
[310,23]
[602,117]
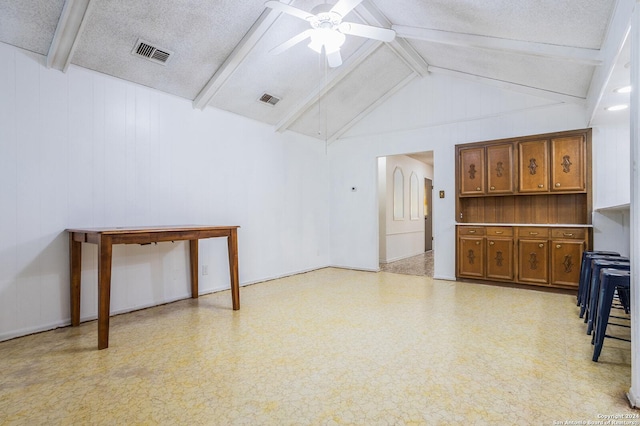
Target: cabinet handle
[493,188]
[477,188]
[558,246]
[533,233]
[540,185]
[557,184]
[491,243]
[499,232]
[472,231]
[540,245]
[567,234]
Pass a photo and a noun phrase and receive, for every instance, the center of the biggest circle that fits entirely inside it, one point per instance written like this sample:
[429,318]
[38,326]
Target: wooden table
[106,237]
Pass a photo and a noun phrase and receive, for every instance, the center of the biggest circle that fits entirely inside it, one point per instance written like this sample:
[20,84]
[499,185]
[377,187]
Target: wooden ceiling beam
[65,39]
[574,54]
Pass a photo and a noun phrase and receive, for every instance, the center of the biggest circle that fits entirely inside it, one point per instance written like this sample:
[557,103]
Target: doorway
[405,188]
[428,219]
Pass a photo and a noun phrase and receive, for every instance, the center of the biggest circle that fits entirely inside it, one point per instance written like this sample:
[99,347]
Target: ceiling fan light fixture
[332,40]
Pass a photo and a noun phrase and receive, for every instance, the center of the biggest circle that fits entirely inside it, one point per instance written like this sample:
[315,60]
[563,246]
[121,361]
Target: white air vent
[269,99]
[153,53]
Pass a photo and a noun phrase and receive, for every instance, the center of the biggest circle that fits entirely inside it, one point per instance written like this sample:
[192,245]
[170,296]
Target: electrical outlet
[205,269]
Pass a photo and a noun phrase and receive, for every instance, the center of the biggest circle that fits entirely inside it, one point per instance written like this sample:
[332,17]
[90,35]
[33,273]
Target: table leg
[232,245]
[75,262]
[193,261]
[104,290]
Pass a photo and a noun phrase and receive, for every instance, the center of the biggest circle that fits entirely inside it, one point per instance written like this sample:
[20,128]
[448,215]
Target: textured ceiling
[553,49]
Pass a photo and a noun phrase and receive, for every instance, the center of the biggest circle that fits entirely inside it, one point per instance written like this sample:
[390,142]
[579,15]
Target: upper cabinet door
[472,171]
[500,169]
[568,164]
[534,166]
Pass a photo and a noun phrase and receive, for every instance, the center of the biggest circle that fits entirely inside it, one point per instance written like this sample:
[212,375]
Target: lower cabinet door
[471,257]
[500,258]
[565,262]
[533,261]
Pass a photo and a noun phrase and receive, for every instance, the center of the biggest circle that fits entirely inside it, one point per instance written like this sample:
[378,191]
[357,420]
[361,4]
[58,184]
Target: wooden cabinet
[541,256]
[512,197]
[471,257]
[566,248]
[533,255]
[565,171]
[499,260]
[471,171]
[486,170]
[533,161]
[500,169]
[568,164]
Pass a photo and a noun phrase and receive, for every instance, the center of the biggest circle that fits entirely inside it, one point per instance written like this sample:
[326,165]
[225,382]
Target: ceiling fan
[327,28]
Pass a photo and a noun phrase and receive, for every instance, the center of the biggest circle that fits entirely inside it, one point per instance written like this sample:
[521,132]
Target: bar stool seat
[584,286]
[611,279]
[585,266]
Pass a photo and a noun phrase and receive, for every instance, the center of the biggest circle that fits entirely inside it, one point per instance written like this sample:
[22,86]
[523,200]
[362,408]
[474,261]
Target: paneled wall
[83,149]
[431,114]
[612,187]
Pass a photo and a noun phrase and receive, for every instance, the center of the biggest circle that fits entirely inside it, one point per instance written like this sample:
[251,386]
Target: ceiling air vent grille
[269,99]
[153,53]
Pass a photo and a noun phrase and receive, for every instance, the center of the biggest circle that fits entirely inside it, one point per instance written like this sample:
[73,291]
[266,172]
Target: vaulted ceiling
[219,51]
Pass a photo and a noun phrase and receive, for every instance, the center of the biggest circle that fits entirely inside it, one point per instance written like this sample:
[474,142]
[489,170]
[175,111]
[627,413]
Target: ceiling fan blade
[289,10]
[376,33]
[334,58]
[345,6]
[291,42]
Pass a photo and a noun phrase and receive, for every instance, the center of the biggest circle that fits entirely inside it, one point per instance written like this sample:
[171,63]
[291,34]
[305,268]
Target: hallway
[420,265]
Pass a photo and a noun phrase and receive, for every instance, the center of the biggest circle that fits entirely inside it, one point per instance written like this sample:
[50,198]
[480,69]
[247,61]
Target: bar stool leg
[604,309]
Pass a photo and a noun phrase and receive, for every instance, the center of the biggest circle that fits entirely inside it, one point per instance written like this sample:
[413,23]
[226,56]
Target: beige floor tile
[329,347]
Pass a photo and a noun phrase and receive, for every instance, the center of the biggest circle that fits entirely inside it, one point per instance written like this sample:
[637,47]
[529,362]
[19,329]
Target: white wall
[402,237]
[431,114]
[612,185]
[83,149]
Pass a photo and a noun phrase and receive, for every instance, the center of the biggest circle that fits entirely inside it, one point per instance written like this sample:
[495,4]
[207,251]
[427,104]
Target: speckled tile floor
[327,347]
[421,265]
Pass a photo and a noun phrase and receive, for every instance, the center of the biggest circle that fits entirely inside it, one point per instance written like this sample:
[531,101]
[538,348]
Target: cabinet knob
[491,243]
[540,245]
[557,184]
[477,188]
[540,185]
[493,188]
[558,246]
[477,243]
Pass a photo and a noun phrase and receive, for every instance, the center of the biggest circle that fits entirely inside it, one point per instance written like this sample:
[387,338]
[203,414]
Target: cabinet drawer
[533,232]
[470,230]
[500,231]
[570,233]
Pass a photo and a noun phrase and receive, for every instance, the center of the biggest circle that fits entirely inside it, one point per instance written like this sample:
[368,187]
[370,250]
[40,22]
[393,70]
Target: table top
[149,229]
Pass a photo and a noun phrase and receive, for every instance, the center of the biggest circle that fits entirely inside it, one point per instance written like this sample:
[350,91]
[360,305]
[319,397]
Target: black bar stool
[611,280]
[585,267]
[594,292]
